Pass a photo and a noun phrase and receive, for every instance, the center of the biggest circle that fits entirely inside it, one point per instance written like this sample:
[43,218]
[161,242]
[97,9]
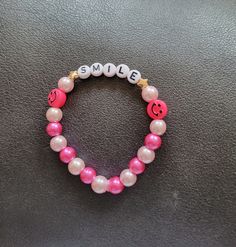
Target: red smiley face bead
[157,109]
[56,98]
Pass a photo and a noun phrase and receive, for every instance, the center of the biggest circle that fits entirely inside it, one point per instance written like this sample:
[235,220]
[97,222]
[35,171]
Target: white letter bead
[134,76]
[96,69]
[109,69]
[122,70]
[84,72]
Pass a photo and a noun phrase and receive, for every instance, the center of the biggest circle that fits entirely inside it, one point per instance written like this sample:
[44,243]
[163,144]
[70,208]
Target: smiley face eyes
[157,109]
[52,96]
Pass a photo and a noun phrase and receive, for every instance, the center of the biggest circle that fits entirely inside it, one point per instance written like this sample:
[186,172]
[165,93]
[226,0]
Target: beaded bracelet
[156,109]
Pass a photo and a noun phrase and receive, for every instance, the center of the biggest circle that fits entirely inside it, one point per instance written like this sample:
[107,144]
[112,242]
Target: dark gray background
[188,50]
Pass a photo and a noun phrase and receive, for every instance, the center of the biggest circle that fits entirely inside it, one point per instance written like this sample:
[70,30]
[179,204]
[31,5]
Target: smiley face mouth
[52,96]
[156,109]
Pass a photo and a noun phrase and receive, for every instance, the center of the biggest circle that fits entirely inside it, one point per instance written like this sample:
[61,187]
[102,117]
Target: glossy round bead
[152,141]
[149,93]
[54,129]
[109,69]
[99,184]
[84,72]
[54,114]
[56,98]
[128,178]
[57,143]
[67,154]
[122,70]
[115,186]
[87,175]
[75,166]
[96,69]
[146,155]
[157,109]
[66,84]
[136,166]
[158,127]
[133,76]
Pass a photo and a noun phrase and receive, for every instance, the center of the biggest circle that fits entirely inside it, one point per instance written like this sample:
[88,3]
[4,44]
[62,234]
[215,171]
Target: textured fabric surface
[187,196]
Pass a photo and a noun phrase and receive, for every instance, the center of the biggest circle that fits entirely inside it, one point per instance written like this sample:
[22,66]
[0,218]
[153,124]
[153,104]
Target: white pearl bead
[149,93]
[122,70]
[96,69]
[66,84]
[84,72]
[128,178]
[54,114]
[109,69]
[57,143]
[146,155]
[134,76]
[76,166]
[158,127]
[99,184]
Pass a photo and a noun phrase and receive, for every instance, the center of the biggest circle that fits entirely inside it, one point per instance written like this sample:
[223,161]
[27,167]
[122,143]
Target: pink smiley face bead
[56,98]
[157,109]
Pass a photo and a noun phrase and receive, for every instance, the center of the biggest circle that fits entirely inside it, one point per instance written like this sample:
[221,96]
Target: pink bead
[56,98]
[54,129]
[67,154]
[136,166]
[157,109]
[152,141]
[115,186]
[87,175]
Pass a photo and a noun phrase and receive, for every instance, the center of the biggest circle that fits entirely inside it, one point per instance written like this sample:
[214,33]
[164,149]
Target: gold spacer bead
[73,75]
[142,83]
